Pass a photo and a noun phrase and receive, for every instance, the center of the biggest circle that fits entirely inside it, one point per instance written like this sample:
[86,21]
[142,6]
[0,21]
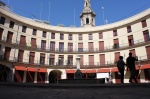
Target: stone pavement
[74,91]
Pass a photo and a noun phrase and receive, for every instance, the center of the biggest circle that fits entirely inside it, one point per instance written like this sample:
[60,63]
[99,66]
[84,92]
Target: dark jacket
[131,62]
[120,64]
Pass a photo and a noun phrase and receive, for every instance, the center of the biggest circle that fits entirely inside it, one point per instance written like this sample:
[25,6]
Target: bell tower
[87,16]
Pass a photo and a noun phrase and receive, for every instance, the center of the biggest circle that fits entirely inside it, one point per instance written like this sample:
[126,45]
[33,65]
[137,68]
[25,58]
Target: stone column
[12,74]
[35,77]
[46,77]
[25,76]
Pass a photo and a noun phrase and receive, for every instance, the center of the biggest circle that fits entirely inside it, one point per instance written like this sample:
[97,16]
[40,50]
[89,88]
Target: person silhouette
[131,65]
[120,66]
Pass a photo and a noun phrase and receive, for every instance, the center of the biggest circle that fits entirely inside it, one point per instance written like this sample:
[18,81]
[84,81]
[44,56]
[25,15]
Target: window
[70,47]
[80,36]
[53,36]
[24,29]
[80,47]
[100,35]
[52,46]
[31,57]
[90,36]
[87,20]
[129,29]
[43,45]
[70,60]
[23,40]
[130,40]
[7,53]
[44,34]
[146,35]
[90,47]
[144,24]
[42,59]
[61,36]
[20,55]
[11,25]
[33,42]
[34,32]
[70,37]
[9,36]
[102,59]
[0,48]
[101,45]
[116,43]
[148,51]
[91,60]
[60,60]
[61,46]
[115,32]
[52,59]
[2,20]
[1,33]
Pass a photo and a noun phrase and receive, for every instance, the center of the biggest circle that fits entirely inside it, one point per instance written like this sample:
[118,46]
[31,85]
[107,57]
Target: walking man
[131,65]
[120,65]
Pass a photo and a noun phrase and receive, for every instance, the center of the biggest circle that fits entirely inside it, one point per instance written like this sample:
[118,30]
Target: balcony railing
[142,60]
[75,50]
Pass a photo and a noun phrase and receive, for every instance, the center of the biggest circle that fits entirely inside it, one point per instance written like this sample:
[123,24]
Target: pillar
[24,76]
[12,74]
[35,77]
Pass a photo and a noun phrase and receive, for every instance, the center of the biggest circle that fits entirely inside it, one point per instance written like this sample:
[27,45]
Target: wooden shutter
[101,45]
[146,35]
[81,60]
[9,37]
[43,44]
[23,40]
[7,53]
[102,59]
[20,55]
[33,42]
[116,41]
[31,57]
[80,45]
[1,33]
[91,60]
[144,24]
[70,47]
[52,46]
[130,37]
[148,51]
[90,46]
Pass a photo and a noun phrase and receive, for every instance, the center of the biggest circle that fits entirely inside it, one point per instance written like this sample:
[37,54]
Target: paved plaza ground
[74,91]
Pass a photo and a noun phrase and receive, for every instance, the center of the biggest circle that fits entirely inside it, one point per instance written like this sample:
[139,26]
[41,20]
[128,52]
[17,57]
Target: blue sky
[67,12]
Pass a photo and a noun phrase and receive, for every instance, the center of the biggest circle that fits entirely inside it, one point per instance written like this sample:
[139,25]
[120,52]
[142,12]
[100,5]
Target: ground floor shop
[24,74]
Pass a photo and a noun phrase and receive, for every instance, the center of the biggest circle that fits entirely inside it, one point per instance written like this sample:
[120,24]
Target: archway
[5,73]
[54,76]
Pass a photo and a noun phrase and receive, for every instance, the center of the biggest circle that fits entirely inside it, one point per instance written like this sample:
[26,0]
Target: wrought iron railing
[141,60]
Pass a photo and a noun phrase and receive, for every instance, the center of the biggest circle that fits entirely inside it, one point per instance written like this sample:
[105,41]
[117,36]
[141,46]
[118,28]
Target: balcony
[26,46]
[72,65]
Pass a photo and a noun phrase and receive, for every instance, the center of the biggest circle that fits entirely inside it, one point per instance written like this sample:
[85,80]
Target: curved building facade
[31,49]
